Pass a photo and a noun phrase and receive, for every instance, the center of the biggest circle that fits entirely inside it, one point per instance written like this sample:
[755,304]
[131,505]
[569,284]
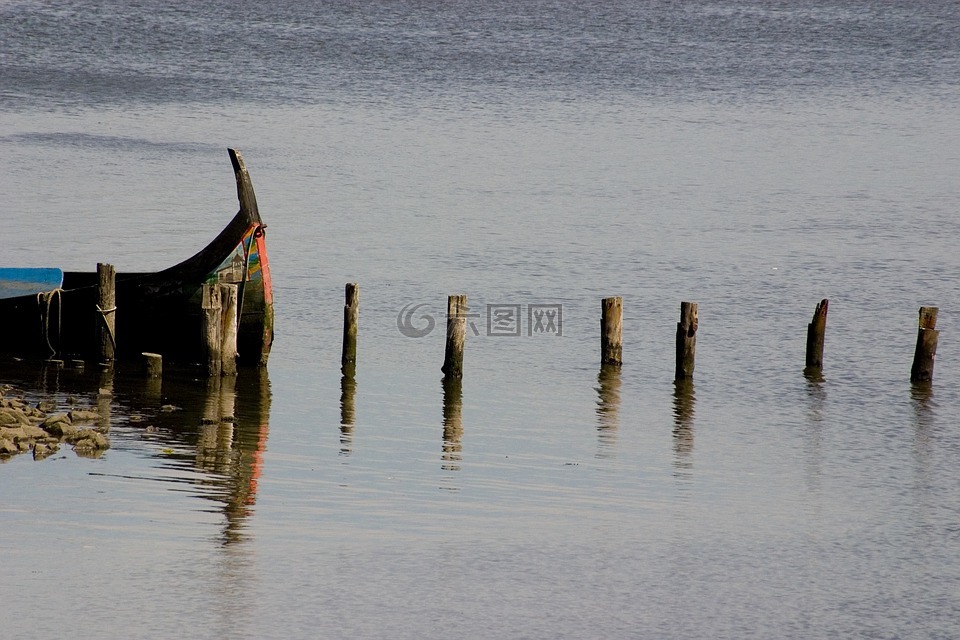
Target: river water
[752,156]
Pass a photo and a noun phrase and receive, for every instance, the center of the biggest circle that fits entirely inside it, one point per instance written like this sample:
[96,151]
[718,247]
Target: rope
[247,250]
[103,316]
[45,299]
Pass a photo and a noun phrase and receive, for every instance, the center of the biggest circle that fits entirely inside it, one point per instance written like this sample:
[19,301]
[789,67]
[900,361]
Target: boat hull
[156,312]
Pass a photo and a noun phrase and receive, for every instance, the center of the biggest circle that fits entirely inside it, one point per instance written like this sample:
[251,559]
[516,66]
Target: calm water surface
[752,156]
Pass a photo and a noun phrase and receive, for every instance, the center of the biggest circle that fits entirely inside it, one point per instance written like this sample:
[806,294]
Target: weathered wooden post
[815,333]
[456,336]
[686,340]
[351,321]
[926,350]
[229,299]
[611,331]
[107,309]
[212,328]
[152,365]
[152,370]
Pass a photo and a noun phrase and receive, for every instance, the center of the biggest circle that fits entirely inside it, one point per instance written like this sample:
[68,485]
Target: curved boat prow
[256,312]
[245,193]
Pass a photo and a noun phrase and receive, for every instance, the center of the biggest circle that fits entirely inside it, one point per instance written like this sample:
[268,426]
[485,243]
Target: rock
[167,408]
[33,431]
[51,420]
[12,433]
[41,450]
[61,428]
[7,447]
[90,439]
[78,415]
[11,416]
[46,406]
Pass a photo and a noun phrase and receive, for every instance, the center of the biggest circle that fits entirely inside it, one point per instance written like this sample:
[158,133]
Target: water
[752,156]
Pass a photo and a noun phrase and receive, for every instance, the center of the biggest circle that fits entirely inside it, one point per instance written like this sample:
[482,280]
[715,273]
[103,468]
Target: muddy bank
[38,429]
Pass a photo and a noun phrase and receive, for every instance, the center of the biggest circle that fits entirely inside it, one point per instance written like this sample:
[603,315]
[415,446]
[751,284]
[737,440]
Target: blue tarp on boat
[24,282]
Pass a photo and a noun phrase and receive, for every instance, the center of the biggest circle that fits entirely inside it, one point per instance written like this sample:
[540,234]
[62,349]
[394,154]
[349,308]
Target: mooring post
[611,331]
[926,350]
[351,321]
[107,310]
[815,333]
[229,299]
[687,340]
[212,328]
[456,336]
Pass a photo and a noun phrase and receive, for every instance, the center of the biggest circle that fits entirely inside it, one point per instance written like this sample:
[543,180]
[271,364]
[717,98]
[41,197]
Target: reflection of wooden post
[611,331]
[229,299]
[815,334]
[926,350]
[105,399]
[351,320]
[687,340]
[684,399]
[452,424]
[212,327]
[107,308]
[348,393]
[608,406]
[456,336]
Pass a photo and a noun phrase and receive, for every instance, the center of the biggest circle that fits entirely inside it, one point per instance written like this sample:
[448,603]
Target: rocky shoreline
[41,430]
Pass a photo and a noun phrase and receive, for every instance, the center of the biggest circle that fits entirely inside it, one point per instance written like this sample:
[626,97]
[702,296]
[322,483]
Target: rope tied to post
[103,319]
[44,302]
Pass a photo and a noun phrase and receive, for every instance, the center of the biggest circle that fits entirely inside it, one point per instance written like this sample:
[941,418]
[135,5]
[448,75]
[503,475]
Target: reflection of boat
[53,313]
[206,437]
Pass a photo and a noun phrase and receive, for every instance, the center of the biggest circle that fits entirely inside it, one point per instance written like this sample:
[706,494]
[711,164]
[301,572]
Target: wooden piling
[611,331]
[212,328]
[687,340]
[456,336]
[926,350]
[152,365]
[106,340]
[351,321]
[229,299]
[815,334]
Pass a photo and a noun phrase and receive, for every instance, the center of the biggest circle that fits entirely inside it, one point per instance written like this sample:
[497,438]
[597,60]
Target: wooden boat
[55,315]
